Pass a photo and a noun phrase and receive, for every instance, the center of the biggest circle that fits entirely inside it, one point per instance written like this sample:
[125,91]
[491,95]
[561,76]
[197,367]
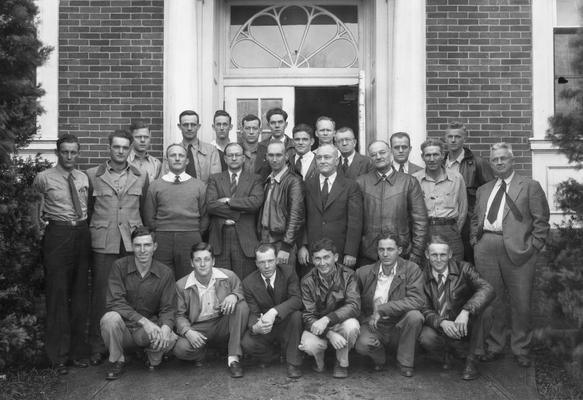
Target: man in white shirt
[139,156]
[352,163]
[401,148]
[222,126]
[303,162]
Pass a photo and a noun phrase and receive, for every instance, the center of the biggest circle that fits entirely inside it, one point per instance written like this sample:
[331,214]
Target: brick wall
[479,71]
[110,70]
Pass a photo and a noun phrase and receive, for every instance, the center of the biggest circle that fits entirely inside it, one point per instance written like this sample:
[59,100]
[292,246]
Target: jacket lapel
[314,191]
[397,279]
[336,189]
[516,185]
[244,182]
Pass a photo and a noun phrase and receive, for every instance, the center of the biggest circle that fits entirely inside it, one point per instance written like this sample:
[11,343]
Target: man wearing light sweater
[176,209]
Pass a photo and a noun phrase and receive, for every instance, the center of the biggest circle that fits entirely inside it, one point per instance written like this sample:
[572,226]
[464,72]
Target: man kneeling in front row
[273,296]
[140,306]
[211,309]
[456,295]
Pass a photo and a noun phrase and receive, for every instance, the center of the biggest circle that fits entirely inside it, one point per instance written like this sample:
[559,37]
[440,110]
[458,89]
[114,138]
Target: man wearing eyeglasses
[233,199]
[352,163]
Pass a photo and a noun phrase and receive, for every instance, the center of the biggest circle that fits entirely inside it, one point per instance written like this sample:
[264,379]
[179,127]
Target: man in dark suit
[304,161]
[333,209]
[273,296]
[352,164]
[509,228]
[277,121]
[401,148]
[234,197]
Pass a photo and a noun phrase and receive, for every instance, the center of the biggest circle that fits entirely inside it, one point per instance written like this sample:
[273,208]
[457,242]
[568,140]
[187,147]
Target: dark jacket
[396,206]
[405,293]
[360,165]
[286,293]
[466,290]
[340,219]
[242,208]
[286,214]
[262,167]
[339,303]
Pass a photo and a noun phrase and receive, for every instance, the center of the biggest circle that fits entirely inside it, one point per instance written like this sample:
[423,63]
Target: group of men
[208,247]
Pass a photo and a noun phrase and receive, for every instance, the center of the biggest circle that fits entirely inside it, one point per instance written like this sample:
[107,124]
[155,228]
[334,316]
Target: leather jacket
[339,302]
[286,210]
[396,206]
[467,290]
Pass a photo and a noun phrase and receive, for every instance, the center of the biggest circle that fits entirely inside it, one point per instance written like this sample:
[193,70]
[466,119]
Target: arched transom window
[294,36]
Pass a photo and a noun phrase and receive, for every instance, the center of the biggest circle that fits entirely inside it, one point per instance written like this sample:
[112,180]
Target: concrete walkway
[177,380]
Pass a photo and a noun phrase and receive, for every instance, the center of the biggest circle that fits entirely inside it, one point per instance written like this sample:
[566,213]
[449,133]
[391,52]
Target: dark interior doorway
[338,102]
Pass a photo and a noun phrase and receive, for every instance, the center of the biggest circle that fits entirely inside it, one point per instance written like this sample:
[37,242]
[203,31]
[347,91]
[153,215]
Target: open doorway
[337,102]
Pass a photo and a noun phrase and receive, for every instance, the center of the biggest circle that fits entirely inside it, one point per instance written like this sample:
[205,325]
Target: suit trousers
[494,265]
[117,337]
[232,256]
[450,233]
[226,328]
[174,250]
[402,335]
[286,333]
[66,255]
[316,346]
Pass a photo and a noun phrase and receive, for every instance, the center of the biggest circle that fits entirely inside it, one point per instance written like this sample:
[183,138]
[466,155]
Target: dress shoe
[523,361]
[340,372]
[407,372]
[96,359]
[447,361]
[491,356]
[236,369]
[114,370]
[61,368]
[293,372]
[470,371]
[79,363]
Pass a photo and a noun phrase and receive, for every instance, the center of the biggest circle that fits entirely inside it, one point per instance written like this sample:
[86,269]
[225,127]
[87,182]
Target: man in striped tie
[456,296]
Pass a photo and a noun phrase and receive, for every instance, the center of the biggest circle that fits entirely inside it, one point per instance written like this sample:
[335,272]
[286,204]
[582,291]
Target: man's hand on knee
[336,340]
[196,339]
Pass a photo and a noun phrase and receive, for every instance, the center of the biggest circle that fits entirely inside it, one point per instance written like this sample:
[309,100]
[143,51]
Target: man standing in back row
[277,120]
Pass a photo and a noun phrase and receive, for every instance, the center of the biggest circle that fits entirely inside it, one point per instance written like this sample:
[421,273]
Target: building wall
[479,71]
[110,70]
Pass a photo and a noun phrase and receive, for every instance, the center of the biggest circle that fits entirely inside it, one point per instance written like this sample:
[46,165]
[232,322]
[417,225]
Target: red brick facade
[479,71]
[110,70]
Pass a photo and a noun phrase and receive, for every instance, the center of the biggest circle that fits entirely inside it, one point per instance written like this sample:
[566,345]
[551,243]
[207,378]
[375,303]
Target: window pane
[569,13]
[246,106]
[567,79]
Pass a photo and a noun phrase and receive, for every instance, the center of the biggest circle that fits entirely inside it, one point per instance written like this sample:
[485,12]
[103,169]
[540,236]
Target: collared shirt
[152,296]
[207,295]
[271,280]
[387,174]
[57,203]
[436,275]
[306,162]
[147,164]
[214,143]
[250,156]
[381,293]
[445,197]
[331,180]
[237,175]
[350,158]
[119,178]
[171,177]
[397,166]
[454,165]
[497,225]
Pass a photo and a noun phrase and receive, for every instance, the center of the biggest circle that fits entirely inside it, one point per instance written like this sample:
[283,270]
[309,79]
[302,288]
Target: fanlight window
[294,36]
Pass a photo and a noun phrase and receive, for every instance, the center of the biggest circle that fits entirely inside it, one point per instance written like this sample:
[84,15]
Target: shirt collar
[277,177]
[238,173]
[154,268]
[382,273]
[171,177]
[192,281]
[331,179]
[387,174]
[271,280]
[435,274]
[133,155]
[110,168]
[447,176]
[62,171]
[350,157]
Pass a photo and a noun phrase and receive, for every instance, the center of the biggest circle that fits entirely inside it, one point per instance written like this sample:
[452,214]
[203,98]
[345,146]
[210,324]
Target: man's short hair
[502,146]
[326,118]
[231,144]
[346,129]
[67,138]
[457,125]
[276,111]
[433,142]
[380,141]
[437,239]
[201,246]
[400,135]
[120,133]
[264,248]
[175,145]
[188,112]
[138,124]
[323,244]
[249,118]
[221,113]
[303,128]
[143,231]
[394,237]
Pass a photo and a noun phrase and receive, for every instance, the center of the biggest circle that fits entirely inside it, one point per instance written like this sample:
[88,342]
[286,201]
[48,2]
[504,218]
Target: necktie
[267,204]
[345,164]
[402,168]
[299,165]
[233,183]
[495,206]
[75,196]
[441,294]
[325,192]
[177,179]
[190,167]
[269,288]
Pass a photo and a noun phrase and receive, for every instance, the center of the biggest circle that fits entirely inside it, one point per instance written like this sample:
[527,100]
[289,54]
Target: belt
[442,221]
[67,223]
[499,233]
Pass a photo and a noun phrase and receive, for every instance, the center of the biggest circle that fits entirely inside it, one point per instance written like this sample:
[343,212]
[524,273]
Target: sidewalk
[177,380]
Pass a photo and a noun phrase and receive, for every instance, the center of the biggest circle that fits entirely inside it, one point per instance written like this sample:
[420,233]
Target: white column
[181,69]
[407,88]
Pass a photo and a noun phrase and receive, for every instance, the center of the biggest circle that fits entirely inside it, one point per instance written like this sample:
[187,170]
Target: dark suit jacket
[521,238]
[340,219]
[312,169]
[262,167]
[360,166]
[286,292]
[243,207]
